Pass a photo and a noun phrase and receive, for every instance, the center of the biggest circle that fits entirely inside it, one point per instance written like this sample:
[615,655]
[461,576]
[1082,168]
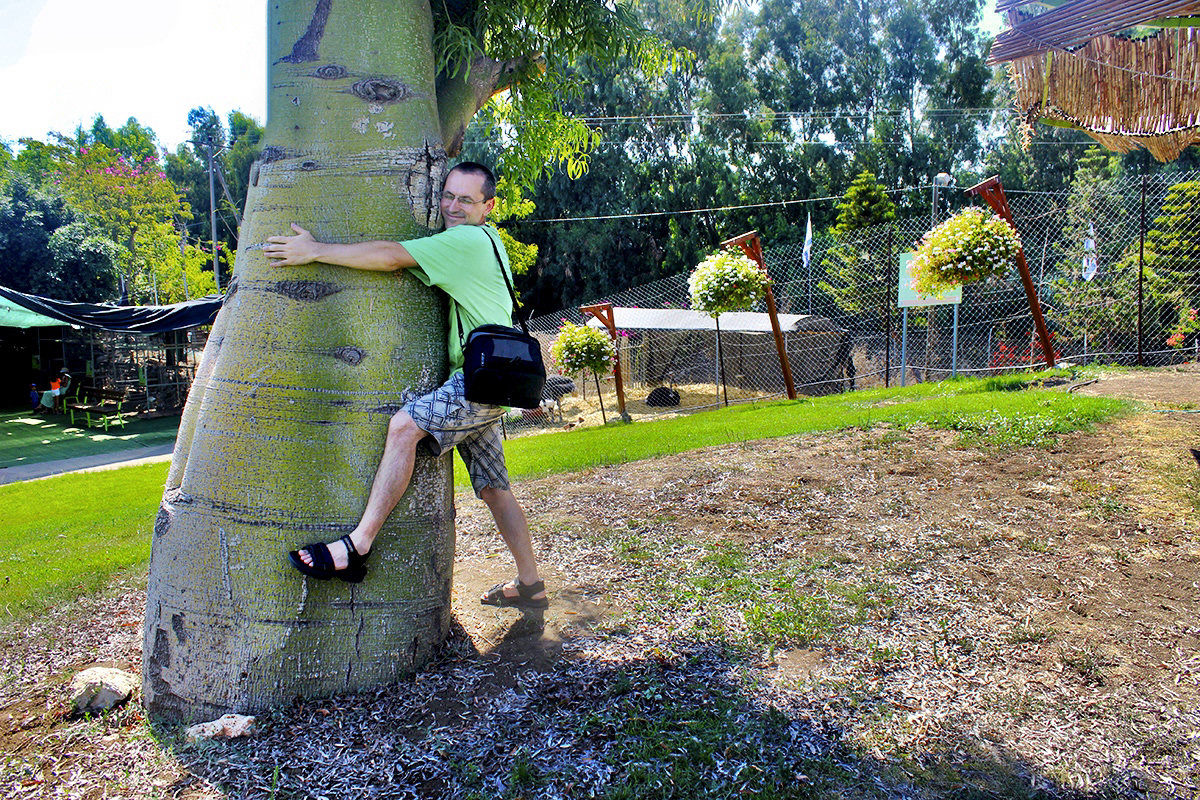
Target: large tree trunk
[285,424]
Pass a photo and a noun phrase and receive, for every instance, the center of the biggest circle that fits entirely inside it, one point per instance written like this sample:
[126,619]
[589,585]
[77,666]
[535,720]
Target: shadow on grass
[611,717]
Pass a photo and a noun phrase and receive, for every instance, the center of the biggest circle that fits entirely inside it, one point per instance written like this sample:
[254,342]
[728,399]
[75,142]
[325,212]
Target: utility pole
[212,211]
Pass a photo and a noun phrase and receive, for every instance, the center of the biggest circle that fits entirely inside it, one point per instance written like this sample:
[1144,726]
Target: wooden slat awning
[1125,92]
[1075,23]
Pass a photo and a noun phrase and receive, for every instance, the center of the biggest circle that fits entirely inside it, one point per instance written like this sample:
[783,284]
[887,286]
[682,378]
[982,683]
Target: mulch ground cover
[880,613]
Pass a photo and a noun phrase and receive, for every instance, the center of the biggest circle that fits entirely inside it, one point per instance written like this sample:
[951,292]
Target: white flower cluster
[578,348]
[970,246]
[726,281]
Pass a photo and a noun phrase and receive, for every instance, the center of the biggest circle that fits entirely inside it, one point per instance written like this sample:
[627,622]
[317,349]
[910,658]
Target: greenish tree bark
[304,366]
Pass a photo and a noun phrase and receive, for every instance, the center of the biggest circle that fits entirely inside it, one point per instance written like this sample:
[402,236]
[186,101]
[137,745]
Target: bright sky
[64,61]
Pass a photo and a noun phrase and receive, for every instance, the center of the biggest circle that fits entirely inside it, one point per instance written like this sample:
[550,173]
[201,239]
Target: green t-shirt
[460,261]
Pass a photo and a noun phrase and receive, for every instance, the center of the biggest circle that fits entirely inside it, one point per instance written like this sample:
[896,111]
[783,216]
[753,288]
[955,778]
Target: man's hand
[291,251]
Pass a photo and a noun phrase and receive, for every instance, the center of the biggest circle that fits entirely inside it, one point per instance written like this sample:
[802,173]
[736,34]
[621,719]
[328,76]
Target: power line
[768,115]
[776,204]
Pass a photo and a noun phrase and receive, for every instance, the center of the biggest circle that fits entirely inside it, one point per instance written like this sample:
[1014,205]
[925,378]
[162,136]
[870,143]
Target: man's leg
[513,526]
[391,480]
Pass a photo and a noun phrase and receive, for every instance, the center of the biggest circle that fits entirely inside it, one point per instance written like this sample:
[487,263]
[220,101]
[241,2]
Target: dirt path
[868,614]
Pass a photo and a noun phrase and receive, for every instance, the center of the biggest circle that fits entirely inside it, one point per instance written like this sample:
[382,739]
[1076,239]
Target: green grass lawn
[32,438]
[65,536]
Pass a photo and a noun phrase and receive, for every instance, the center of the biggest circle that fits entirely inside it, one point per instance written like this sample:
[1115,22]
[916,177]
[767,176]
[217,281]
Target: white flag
[1090,264]
[808,241]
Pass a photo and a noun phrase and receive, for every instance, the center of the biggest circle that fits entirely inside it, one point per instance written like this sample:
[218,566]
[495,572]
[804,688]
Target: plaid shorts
[451,420]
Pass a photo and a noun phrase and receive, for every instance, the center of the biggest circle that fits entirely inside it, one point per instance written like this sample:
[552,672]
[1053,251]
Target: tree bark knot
[381,90]
[349,354]
[305,291]
[330,72]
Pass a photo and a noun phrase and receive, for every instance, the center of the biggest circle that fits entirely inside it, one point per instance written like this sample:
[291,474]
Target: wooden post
[604,313]
[993,194]
[752,247]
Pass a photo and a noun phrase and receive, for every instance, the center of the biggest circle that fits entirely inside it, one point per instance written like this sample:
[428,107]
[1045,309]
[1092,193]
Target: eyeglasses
[449,197]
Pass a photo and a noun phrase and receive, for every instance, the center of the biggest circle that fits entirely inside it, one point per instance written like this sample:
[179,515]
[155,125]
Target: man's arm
[378,256]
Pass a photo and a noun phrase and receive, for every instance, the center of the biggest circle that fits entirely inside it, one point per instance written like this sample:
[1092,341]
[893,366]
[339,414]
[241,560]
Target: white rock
[230,726]
[101,688]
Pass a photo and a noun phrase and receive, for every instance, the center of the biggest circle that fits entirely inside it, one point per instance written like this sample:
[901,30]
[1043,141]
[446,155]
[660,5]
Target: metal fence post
[889,293]
[1141,271]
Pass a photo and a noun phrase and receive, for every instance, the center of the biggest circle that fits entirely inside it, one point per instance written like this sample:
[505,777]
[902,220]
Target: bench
[99,407]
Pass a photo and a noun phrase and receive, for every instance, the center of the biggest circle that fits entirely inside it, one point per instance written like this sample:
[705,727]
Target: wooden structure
[1125,72]
[993,194]
[604,313]
[750,244]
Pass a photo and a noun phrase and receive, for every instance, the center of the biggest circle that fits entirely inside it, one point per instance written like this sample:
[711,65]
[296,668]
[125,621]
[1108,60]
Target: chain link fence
[1116,265]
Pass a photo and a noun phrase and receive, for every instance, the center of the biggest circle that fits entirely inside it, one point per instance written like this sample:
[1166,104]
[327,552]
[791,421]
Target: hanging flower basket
[970,246]
[726,281]
[578,348]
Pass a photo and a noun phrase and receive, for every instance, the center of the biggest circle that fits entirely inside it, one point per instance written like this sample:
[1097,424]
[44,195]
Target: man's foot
[515,594]
[338,559]
[338,550]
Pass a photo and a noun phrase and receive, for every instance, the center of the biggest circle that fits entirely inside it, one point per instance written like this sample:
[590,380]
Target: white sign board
[907,297]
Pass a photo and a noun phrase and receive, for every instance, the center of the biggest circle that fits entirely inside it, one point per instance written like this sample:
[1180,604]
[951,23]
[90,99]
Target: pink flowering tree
[132,201]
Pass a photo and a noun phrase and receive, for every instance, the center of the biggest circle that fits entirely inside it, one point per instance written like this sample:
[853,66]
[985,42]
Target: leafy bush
[578,348]
[726,281]
[1189,322]
[970,246]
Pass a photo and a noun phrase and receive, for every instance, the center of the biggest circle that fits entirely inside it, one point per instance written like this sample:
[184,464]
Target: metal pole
[212,213]
[600,396]
[1141,270]
[991,367]
[904,349]
[954,345]
[721,361]
[183,261]
[887,313]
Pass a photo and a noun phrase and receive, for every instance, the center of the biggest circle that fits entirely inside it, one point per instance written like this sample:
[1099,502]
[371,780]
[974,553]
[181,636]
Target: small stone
[230,726]
[101,688]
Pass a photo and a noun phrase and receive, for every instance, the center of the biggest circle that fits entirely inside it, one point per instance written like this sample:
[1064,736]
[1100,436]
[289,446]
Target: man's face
[462,200]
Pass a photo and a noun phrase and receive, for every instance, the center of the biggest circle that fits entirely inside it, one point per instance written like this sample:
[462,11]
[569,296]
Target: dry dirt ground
[878,613]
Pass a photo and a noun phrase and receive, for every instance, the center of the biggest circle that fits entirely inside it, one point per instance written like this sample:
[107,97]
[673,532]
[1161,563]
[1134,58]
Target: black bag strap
[511,292]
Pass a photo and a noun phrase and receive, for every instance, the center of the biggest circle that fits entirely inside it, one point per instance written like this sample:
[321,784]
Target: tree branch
[460,97]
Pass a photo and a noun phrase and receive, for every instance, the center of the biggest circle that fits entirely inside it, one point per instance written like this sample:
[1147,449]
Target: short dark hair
[475,168]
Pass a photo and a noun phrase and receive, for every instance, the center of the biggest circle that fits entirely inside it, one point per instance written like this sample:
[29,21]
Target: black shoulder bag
[502,366]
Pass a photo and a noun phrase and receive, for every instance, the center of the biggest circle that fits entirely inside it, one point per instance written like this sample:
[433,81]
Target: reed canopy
[1126,72]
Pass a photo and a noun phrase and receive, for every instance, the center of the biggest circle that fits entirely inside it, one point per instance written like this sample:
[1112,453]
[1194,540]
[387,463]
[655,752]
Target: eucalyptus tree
[645,165]
[47,248]
[287,416]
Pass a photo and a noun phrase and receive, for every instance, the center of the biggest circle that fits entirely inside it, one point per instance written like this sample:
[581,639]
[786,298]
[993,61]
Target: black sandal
[524,599]
[322,567]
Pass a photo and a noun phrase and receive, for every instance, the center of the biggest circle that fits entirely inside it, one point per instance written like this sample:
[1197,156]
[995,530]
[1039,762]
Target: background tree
[131,201]
[1100,308]
[857,272]
[236,144]
[786,101]
[47,249]
[1172,255]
